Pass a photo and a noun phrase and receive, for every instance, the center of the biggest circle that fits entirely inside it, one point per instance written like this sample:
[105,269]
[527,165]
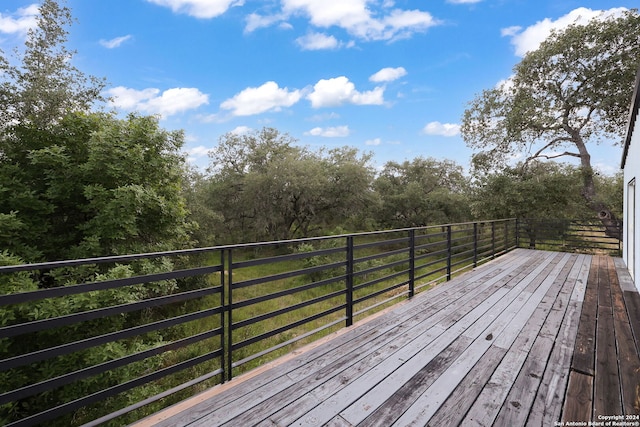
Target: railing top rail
[195,251]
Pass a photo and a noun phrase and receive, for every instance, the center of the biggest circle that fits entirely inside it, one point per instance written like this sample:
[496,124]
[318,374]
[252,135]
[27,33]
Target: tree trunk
[604,214]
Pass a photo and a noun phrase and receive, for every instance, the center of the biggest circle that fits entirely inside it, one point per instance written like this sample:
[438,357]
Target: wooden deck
[531,338]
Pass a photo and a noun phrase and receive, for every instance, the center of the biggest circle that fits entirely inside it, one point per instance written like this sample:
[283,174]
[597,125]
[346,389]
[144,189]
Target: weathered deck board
[527,339]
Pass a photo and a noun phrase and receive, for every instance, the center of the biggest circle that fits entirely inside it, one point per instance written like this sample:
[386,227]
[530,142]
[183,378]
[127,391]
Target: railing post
[493,239]
[349,280]
[448,252]
[506,236]
[229,347]
[517,232]
[412,262]
[475,244]
[223,323]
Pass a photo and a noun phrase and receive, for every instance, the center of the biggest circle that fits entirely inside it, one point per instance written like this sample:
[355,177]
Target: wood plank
[274,381]
[583,356]
[346,397]
[626,282]
[525,389]
[518,403]
[488,404]
[522,394]
[189,409]
[632,304]
[606,395]
[628,358]
[455,408]
[547,405]
[578,399]
[426,406]
[383,415]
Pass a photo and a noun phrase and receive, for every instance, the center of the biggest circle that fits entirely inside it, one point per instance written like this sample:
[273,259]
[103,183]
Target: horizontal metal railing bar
[65,408]
[288,342]
[379,292]
[380,280]
[81,288]
[103,367]
[430,273]
[287,275]
[432,254]
[288,257]
[195,251]
[379,303]
[152,399]
[70,319]
[287,327]
[285,292]
[380,267]
[72,347]
[381,255]
[285,310]
[432,235]
[377,243]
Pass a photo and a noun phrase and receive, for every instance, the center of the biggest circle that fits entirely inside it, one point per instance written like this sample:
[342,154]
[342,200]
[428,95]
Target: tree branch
[545,156]
[551,143]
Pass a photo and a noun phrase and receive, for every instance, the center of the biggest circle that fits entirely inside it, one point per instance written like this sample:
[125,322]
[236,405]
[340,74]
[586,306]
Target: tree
[44,86]
[266,187]
[535,190]
[92,185]
[572,91]
[421,192]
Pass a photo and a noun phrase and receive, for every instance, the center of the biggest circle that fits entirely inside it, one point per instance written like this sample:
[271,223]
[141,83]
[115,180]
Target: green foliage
[536,190]
[421,192]
[92,185]
[266,187]
[45,86]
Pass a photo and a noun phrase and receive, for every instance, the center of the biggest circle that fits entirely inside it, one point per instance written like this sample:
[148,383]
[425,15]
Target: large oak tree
[570,93]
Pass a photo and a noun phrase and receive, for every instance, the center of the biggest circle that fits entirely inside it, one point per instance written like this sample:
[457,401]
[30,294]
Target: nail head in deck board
[578,399]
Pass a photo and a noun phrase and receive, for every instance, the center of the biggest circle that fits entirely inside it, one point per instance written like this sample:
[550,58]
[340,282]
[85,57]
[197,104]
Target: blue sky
[388,77]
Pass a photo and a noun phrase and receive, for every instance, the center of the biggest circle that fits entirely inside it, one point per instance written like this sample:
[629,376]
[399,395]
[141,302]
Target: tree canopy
[572,91]
[41,85]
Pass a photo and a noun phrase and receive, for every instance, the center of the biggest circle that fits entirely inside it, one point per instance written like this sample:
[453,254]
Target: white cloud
[442,129]
[199,151]
[530,38]
[463,1]
[317,41]
[151,101]
[116,42]
[375,141]
[357,18]
[330,132]
[256,100]
[388,74]
[337,91]
[241,130]
[255,21]
[19,22]
[199,8]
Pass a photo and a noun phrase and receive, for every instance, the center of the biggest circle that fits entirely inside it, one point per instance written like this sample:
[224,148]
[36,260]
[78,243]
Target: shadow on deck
[531,338]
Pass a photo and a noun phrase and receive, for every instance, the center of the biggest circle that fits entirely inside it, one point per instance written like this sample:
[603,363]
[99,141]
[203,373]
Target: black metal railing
[113,339]
[570,236]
